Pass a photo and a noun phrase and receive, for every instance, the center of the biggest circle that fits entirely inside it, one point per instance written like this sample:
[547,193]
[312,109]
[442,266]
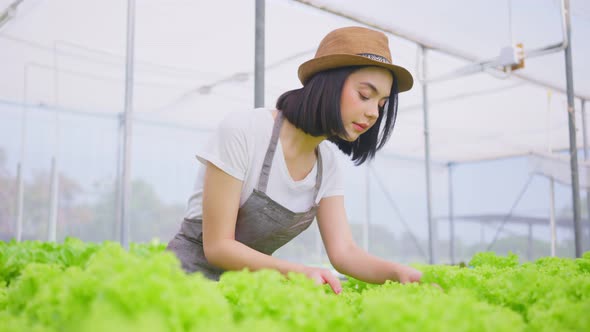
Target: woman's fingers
[333,281]
[323,276]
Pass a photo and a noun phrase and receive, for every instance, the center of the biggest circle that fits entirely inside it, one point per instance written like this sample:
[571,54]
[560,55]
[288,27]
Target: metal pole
[451,215]
[448,50]
[19,202]
[482,233]
[391,202]
[586,158]
[432,232]
[125,191]
[20,196]
[259,55]
[584,132]
[54,202]
[118,180]
[54,187]
[514,205]
[9,12]
[572,131]
[367,209]
[552,217]
[530,242]
[552,227]
[318,245]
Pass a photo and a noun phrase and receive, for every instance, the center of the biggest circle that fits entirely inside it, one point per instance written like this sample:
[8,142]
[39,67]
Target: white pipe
[552,227]
[494,62]
[569,78]
[9,12]
[366,221]
[440,47]
[54,184]
[432,226]
[53,201]
[125,187]
[19,202]
[259,71]
[552,217]
[451,215]
[20,195]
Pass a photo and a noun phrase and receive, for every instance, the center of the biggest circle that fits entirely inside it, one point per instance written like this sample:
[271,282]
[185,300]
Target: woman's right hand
[323,276]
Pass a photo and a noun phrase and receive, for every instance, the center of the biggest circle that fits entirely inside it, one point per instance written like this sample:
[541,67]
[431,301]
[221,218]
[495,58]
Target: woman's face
[364,92]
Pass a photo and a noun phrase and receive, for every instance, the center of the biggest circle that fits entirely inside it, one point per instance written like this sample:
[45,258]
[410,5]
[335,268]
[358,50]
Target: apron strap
[270,152]
[318,178]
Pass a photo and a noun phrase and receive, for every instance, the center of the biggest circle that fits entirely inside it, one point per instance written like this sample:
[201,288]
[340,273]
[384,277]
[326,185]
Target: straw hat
[354,46]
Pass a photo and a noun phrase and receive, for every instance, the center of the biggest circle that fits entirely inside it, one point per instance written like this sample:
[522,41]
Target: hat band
[375,57]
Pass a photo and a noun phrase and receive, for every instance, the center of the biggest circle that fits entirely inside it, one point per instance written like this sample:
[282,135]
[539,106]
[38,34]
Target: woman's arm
[221,200]
[347,257]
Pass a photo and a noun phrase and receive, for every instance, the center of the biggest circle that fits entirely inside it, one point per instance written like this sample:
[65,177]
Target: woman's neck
[296,143]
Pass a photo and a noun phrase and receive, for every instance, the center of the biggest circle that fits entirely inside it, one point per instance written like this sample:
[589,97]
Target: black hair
[315,109]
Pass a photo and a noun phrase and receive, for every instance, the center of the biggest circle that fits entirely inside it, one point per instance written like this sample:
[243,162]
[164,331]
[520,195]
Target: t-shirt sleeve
[333,178]
[227,147]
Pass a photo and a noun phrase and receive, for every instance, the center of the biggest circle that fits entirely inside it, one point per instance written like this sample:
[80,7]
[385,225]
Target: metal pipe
[552,227]
[434,45]
[54,202]
[530,242]
[318,245]
[54,186]
[19,202]
[125,192]
[20,196]
[565,37]
[514,205]
[120,142]
[552,217]
[432,231]
[391,202]
[9,12]
[482,233]
[259,55]
[451,215]
[494,62]
[367,221]
[510,31]
[572,135]
[585,138]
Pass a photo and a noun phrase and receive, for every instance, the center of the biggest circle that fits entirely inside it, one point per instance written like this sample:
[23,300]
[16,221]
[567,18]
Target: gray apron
[262,224]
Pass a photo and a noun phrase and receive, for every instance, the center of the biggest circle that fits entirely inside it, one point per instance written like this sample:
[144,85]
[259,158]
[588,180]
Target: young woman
[267,173]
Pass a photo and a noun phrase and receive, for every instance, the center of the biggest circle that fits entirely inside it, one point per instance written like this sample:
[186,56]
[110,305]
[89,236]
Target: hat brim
[332,61]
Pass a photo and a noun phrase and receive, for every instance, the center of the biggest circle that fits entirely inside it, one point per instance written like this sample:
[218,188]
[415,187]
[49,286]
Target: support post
[367,221]
[259,54]
[572,134]
[124,185]
[451,216]
[432,231]
[54,201]
[587,177]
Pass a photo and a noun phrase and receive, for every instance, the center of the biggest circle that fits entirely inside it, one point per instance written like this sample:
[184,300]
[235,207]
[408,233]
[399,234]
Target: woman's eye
[363,97]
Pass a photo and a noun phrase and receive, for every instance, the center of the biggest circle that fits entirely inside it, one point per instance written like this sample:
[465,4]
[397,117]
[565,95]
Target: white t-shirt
[238,147]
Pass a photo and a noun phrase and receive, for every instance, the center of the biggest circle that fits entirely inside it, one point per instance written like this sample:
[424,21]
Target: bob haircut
[315,109]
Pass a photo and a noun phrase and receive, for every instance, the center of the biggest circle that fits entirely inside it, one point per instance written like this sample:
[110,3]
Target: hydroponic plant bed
[77,286]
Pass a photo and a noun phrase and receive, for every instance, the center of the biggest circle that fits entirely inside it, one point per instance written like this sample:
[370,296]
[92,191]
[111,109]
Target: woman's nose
[372,111]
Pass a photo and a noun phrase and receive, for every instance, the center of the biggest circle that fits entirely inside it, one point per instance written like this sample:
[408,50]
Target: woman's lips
[360,127]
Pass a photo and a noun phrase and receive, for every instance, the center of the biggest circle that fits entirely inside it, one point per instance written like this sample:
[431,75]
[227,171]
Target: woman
[267,173]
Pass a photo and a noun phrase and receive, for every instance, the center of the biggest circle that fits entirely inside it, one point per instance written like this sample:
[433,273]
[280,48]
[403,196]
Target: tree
[149,217]
[7,199]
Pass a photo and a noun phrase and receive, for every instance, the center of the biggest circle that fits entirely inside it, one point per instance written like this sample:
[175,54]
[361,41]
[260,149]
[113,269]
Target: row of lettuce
[77,286]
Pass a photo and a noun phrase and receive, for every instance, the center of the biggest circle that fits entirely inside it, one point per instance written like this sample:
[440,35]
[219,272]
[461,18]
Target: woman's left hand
[406,274]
